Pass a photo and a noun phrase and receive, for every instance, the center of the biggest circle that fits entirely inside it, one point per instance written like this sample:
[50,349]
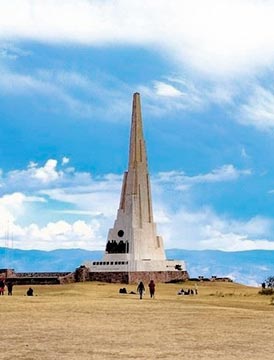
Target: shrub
[270,282]
[268,286]
[268,291]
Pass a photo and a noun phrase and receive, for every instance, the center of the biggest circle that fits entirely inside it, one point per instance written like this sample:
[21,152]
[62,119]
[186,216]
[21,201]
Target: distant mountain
[247,267]
[38,260]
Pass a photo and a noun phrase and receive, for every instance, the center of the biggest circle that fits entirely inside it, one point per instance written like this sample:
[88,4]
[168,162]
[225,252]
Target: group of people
[141,289]
[9,286]
[188,292]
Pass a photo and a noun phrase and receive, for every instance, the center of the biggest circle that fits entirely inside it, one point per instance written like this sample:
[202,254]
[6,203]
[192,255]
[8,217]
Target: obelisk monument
[134,250]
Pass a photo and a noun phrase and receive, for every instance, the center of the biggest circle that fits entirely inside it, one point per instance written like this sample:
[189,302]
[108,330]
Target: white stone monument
[133,249]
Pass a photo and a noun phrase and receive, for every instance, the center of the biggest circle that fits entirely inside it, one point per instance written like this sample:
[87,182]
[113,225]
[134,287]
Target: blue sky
[204,69]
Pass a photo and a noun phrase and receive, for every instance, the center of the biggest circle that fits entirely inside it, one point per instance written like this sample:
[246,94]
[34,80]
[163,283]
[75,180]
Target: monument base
[125,277]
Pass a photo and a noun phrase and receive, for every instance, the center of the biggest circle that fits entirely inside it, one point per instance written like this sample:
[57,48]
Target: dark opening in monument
[120,233]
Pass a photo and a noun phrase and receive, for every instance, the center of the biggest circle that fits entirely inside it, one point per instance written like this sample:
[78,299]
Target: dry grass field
[94,321]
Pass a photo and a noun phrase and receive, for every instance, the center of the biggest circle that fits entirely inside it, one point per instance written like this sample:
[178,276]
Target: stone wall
[158,276]
[110,277]
[6,273]
[40,274]
[135,277]
[67,279]
[83,274]
[35,278]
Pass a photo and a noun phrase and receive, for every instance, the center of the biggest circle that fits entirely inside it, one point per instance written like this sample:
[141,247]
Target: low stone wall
[67,279]
[40,274]
[35,278]
[110,277]
[5,273]
[83,273]
[135,277]
[158,276]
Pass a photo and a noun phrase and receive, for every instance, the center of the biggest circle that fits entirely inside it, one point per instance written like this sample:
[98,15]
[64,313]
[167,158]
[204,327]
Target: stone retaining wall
[35,278]
[157,276]
[40,274]
[83,273]
[110,277]
[135,277]
[68,279]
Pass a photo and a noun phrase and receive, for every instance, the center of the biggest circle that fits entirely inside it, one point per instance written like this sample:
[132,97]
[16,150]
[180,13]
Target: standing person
[2,286]
[151,286]
[10,286]
[141,289]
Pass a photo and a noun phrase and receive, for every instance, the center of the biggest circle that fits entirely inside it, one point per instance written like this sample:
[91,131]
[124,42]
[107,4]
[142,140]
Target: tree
[267,286]
[270,282]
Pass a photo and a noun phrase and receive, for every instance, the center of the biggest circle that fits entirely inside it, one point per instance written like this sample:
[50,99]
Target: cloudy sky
[205,71]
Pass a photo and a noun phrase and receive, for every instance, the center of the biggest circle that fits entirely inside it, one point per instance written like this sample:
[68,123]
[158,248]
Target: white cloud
[15,200]
[244,153]
[12,206]
[11,52]
[216,37]
[177,93]
[196,36]
[47,173]
[96,200]
[80,212]
[166,90]
[183,182]
[56,89]
[258,111]
[66,79]
[60,234]
[166,98]
[205,229]
[96,194]
[224,173]
[47,176]
[69,91]
[87,199]
[65,160]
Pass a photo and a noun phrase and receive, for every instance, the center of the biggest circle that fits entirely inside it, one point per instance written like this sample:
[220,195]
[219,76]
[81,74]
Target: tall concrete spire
[137,149]
[135,218]
[136,180]
[133,244]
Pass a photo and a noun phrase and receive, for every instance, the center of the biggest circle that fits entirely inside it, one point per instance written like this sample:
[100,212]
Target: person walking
[2,287]
[141,289]
[10,286]
[151,286]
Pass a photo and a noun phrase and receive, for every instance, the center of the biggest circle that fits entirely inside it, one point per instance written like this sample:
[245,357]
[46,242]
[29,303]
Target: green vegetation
[270,282]
[268,286]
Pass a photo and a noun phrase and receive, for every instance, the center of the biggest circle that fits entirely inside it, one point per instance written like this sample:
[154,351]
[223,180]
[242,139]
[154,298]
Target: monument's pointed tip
[136,97]
[137,152]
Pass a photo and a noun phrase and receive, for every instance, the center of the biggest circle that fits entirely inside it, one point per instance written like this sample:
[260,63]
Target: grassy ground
[93,321]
